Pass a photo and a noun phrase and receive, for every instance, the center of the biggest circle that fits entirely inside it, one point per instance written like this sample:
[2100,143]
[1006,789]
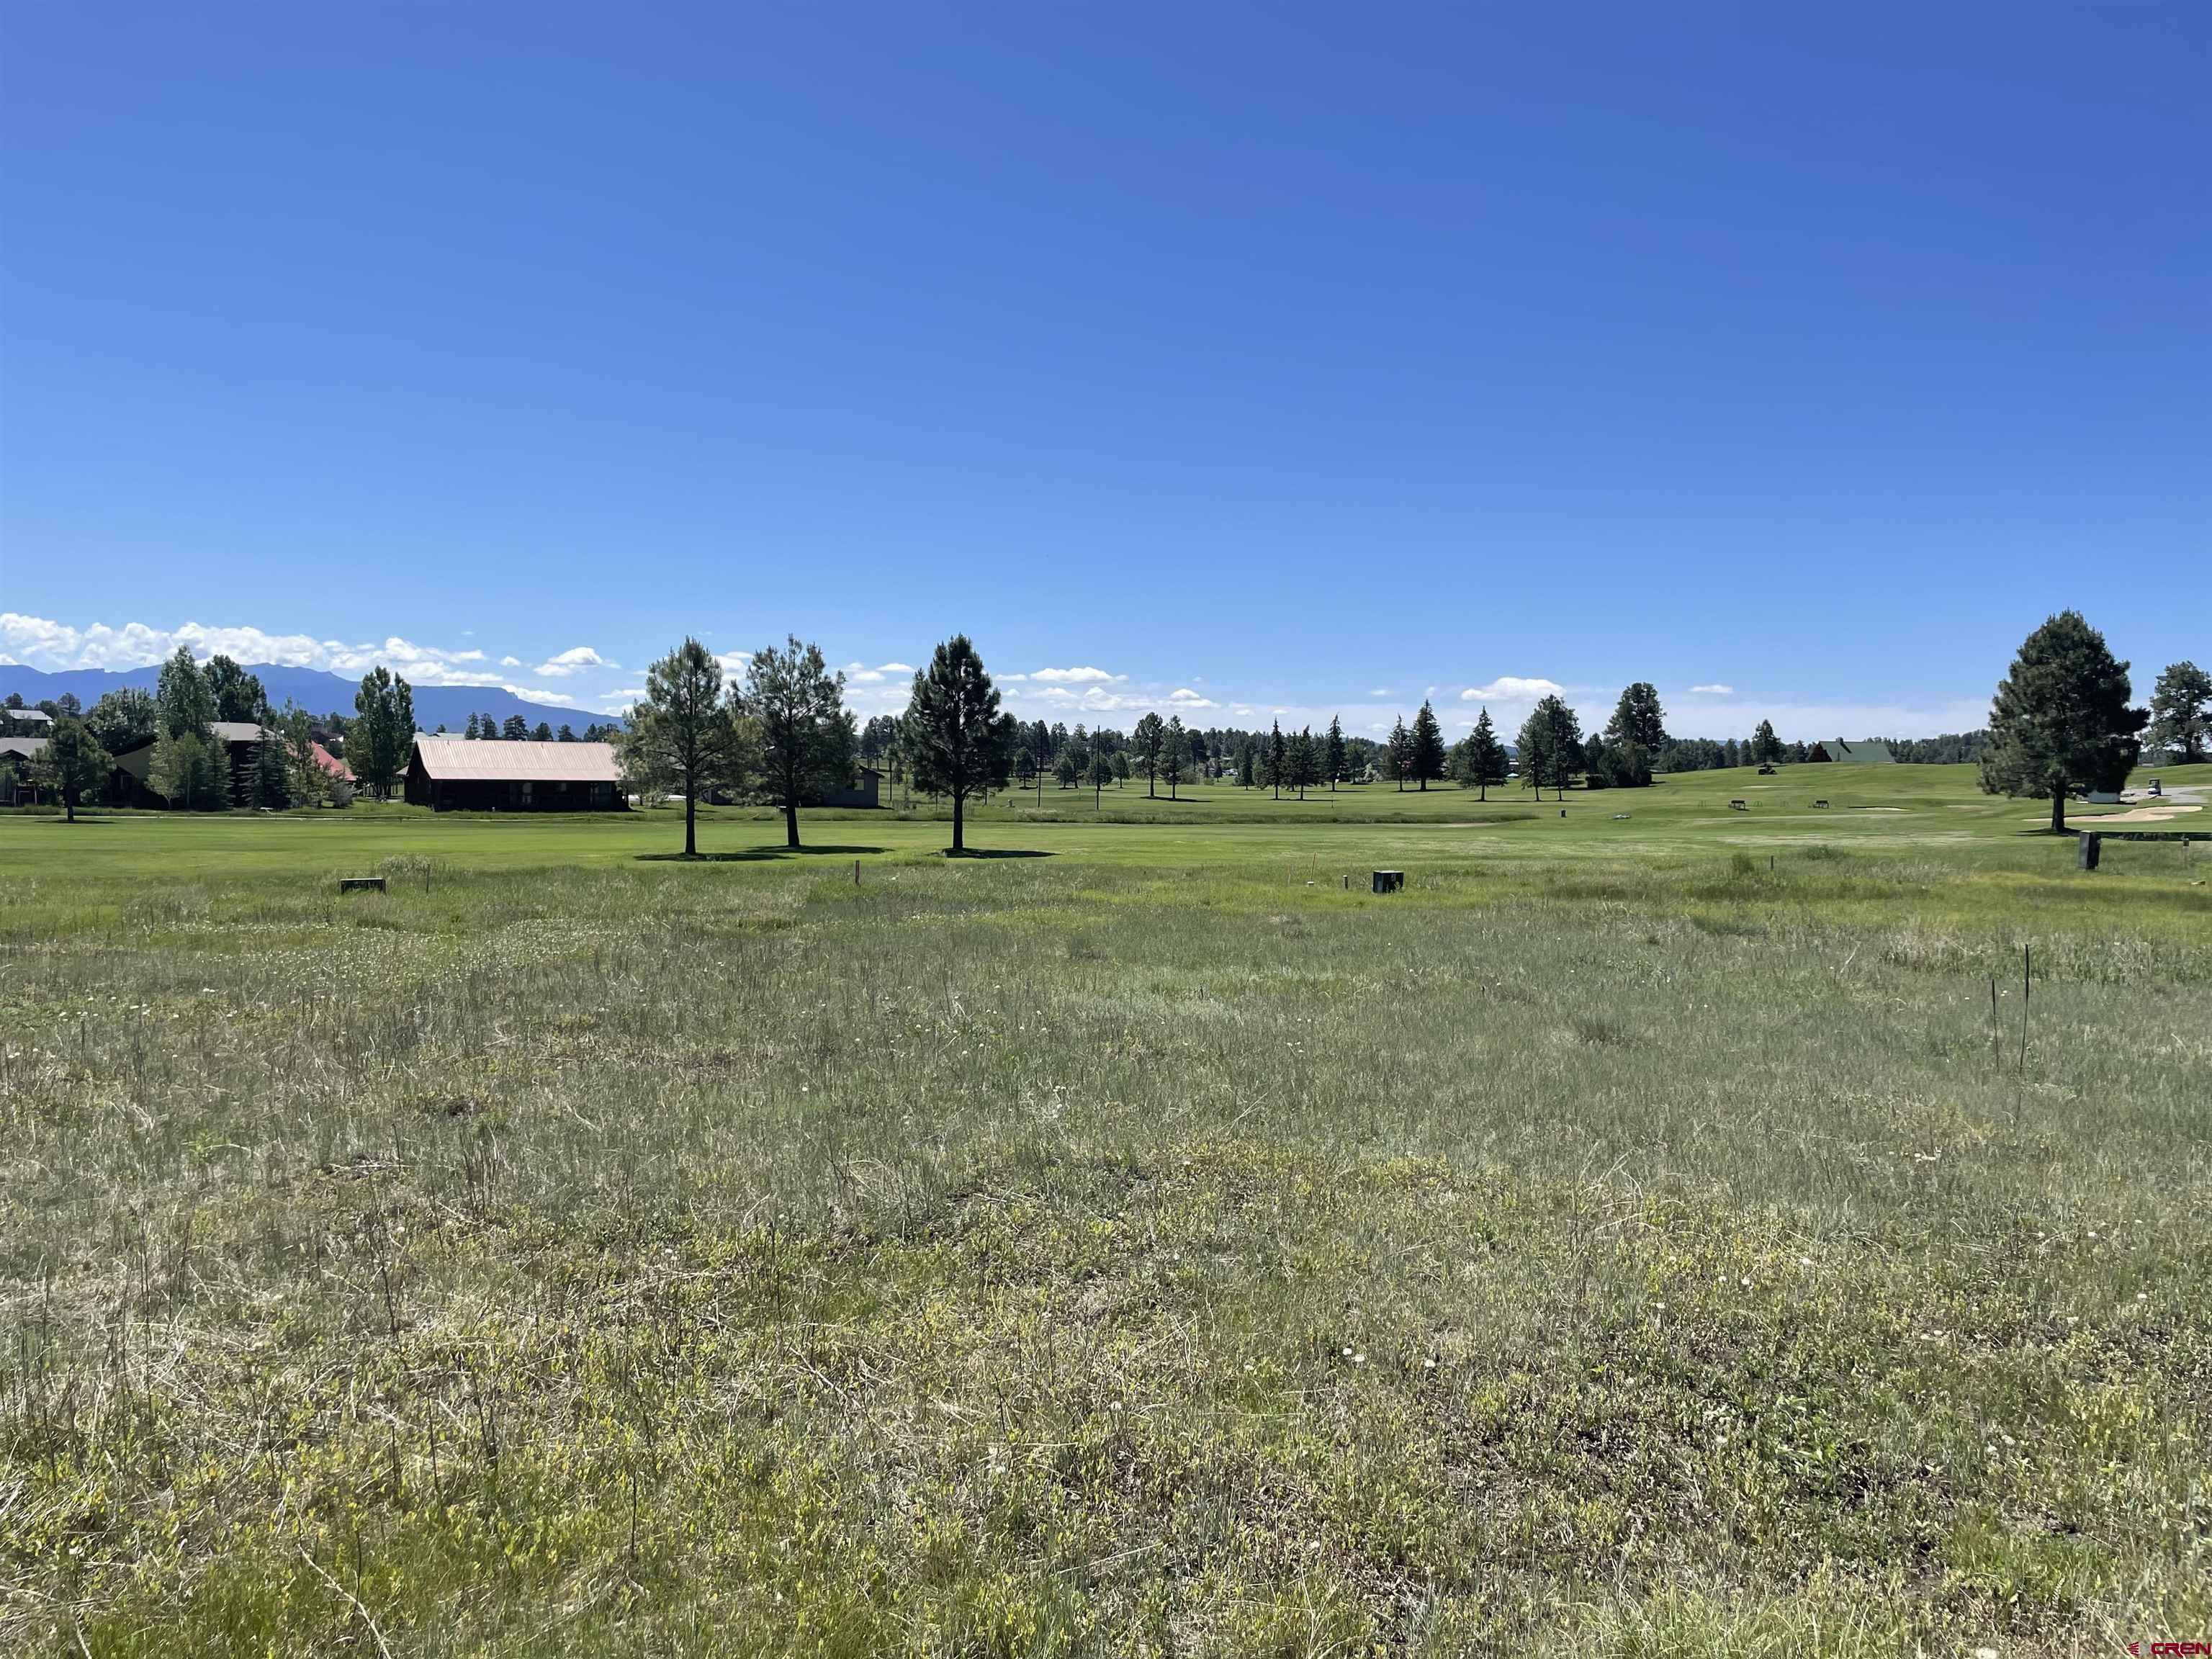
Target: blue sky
[1282,358]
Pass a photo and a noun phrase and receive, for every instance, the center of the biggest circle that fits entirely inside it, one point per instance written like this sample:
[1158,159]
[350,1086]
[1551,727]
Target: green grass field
[1640,1234]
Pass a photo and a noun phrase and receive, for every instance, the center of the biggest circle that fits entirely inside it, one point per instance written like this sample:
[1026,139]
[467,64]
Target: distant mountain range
[319,693]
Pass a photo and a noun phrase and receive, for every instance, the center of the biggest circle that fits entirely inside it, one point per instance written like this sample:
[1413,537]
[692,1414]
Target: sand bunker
[2158,814]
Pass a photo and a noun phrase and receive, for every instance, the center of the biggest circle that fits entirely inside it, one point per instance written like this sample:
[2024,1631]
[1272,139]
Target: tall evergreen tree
[1306,760]
[1175,752]
[1482,760]
[265,784]
[514,729]
[2181,713]
[1278,756]
[1333,758]
[1401,753]
[2061,721]
[1424,748]
[1638,718]
[469,731]
[1151,734]
[1765,747]
[959,739]
[683,736]
[806,734]
[1551,745]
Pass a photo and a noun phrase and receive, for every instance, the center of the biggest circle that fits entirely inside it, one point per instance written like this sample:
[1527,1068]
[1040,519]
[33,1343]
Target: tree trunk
[690,832]
[791,821]
[1425,785]
[959,799]
[2058,810]
[69,807]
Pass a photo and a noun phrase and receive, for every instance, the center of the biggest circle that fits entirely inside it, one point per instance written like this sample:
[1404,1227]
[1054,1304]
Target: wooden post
[856,873]
[2085,855]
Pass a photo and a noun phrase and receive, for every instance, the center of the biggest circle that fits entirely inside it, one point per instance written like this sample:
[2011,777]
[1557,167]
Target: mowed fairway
[1637,1235]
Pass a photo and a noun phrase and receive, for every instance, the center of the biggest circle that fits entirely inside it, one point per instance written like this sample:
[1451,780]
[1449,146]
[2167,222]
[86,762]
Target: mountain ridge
[314,689]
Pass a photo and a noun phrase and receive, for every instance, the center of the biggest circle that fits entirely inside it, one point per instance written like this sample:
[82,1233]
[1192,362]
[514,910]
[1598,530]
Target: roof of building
[35,716]
[26,747]
[332,764]
[1867,752]
[236,731]
[498,760]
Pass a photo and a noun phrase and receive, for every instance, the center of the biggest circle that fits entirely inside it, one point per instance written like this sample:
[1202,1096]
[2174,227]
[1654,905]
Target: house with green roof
[1867,752]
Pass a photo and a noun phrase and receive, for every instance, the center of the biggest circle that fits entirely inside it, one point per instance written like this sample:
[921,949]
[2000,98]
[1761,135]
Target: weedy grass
[1159,1246]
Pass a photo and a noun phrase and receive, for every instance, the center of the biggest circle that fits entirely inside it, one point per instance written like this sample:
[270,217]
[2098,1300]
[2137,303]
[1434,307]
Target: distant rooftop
[497,759]
[1867,752]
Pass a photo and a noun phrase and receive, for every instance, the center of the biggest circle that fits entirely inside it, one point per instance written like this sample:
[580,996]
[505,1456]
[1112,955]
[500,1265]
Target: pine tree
[1551,745]
[959,739]
[1278,756]
[1424,748]
[683,736]
[2061,721]
[1765,748]
[2181,713]
[266,782]
[806,732]
[1151,734]
[1478,760]
[1333,758]
[1175,750]
[1638,718]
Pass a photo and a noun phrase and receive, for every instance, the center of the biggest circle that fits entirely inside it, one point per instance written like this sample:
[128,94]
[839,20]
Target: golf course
[1709,1229]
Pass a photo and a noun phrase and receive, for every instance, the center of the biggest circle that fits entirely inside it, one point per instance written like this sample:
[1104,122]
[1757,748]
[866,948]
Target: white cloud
[574,660]
[858,673]
[1183,697]
[1069,676]
[1712,690]
[733,663]
[510,662]
[546,695]
[1378,691]
[1512,688]
[42,643]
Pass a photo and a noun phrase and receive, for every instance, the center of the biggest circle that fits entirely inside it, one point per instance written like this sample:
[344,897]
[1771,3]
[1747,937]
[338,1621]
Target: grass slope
[1152,1246]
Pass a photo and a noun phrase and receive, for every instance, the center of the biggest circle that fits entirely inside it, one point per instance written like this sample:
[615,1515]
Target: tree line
[785,730]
